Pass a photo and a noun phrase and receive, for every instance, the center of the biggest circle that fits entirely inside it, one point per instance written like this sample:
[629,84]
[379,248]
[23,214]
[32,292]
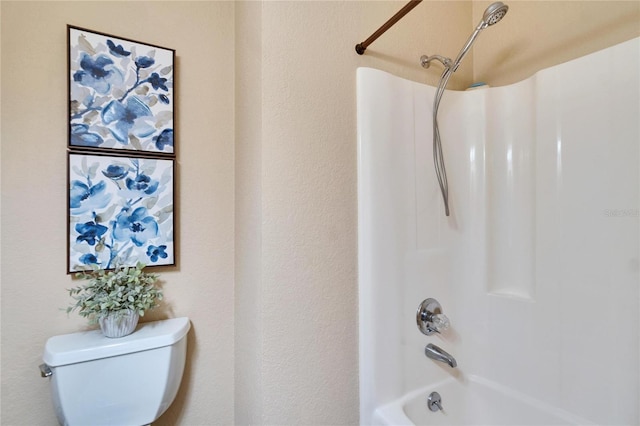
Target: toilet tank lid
[92,345]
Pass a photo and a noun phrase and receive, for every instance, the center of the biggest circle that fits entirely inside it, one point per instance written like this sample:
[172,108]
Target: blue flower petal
[136,108]
[144,61]
[77,129]
[95,67]
[124,116]
[142,183]
[113,111]
[142,129]
[121,131]
[83,199]
[89,259]
[157,82]
[99,85]
[117,50]
[90,232]
[147,228]
[99,73]
[152,187]
[137,227]
[154,252]
[115,172]
[165,138]
[79,191]
[80,136]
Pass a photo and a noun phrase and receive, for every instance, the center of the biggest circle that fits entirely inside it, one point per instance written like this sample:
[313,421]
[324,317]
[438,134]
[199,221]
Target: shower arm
[361,47]
[425,61]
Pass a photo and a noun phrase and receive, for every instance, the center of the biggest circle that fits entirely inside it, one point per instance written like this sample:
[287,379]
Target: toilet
[132,380]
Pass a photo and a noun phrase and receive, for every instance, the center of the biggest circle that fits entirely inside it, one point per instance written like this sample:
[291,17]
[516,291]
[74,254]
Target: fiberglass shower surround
[491,16]
[537,266]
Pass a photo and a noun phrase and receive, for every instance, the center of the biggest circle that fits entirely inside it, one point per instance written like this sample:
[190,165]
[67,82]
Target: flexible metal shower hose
[438,157]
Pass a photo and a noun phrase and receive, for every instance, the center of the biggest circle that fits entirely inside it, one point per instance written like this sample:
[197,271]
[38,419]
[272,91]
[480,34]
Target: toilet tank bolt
[45,371]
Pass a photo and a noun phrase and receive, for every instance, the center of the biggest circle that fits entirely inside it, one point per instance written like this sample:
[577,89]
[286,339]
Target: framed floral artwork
[121,93]
[120,211]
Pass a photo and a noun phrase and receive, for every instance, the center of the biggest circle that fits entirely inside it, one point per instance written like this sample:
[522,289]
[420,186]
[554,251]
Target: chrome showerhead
[494,13]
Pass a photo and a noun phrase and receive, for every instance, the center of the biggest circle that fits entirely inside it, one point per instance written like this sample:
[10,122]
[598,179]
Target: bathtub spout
[434,352]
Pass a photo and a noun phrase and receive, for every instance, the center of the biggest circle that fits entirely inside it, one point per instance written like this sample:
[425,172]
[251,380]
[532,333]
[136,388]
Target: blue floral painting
[120,94]
[120,211]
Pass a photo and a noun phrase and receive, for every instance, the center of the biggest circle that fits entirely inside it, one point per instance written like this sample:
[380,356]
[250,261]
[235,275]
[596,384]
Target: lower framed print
[120,212]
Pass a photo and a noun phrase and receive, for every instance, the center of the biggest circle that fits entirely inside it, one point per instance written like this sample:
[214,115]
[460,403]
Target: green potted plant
[115,299]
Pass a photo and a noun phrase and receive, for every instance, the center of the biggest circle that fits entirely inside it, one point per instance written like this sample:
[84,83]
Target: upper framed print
[120,211]
[121,94]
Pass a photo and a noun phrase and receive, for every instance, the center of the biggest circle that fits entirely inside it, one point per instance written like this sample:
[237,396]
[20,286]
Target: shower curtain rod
[361,47]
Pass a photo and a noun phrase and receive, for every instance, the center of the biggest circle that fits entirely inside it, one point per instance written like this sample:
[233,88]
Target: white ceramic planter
[119,324]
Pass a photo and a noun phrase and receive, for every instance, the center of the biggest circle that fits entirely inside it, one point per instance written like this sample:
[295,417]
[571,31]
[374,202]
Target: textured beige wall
[295,355]
[296,283]
[248,204]
[34,183]
[539,34]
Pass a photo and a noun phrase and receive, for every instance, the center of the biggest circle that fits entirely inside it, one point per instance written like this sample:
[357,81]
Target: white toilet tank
[130,380]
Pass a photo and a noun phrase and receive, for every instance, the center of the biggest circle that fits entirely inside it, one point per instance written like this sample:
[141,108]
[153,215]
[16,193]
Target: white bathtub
[476,401]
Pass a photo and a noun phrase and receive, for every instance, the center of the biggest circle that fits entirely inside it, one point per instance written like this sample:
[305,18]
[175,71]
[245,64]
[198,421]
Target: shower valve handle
[440,322]
[430,318]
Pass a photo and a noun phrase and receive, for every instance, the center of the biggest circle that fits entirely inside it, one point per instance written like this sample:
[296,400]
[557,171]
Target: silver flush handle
[45,370]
